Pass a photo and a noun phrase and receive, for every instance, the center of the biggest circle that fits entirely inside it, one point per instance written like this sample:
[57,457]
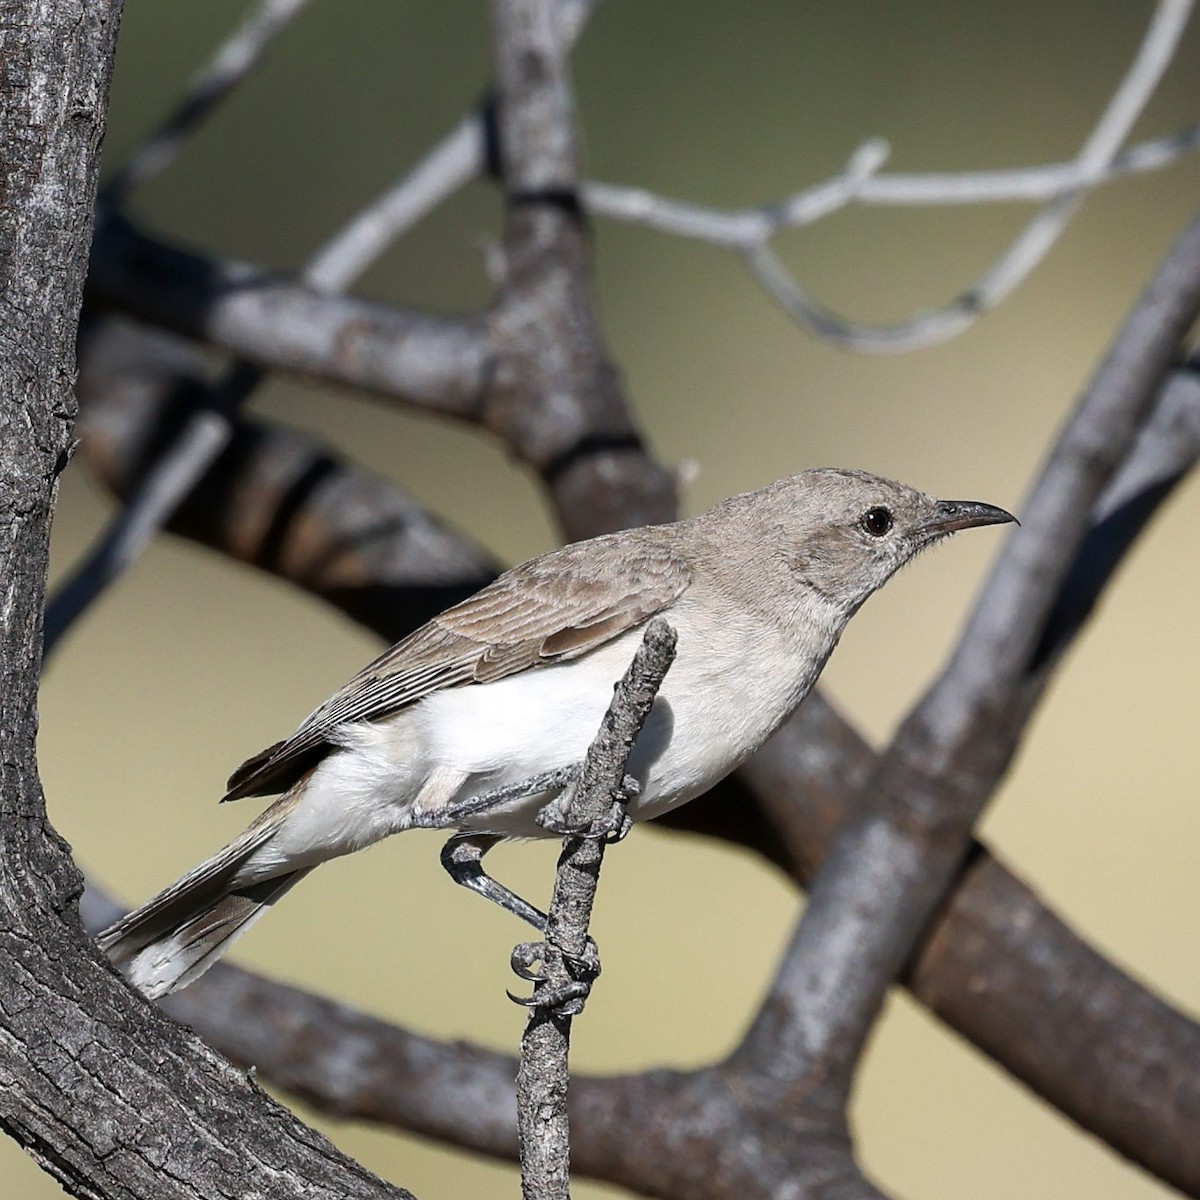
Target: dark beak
[952,515]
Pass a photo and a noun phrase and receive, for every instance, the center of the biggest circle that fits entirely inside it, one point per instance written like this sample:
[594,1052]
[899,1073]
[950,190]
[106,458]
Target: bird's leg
[446,816]
[554,817]
[462,856]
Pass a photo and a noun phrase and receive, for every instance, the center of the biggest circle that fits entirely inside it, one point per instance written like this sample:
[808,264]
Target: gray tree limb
[233,60]
[107,1095]
[896,858]
[556,398]
[275,498]
[277,322]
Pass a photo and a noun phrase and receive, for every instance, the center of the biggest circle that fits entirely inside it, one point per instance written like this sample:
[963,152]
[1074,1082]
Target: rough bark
[110,1097]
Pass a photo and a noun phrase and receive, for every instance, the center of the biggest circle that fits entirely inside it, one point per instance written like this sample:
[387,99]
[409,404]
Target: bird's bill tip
[952,515]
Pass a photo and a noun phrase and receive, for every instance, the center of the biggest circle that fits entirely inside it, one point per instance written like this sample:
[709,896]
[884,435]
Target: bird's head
[845,533]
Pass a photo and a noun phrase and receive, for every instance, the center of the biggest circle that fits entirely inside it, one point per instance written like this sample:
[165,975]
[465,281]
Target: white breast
[731,685]
[722,697]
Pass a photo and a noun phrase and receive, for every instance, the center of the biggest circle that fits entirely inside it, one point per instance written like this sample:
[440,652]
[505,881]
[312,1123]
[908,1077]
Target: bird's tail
[176,936]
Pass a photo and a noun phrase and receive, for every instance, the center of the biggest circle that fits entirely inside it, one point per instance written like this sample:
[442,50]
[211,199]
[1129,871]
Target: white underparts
[406,769]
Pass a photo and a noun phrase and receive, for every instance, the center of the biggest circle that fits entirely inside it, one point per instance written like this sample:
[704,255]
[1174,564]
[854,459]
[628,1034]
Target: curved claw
[612,827]
[524,956]
[619,826]
[566,999]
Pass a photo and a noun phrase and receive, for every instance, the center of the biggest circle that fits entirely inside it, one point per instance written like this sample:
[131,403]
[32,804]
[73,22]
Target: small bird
[476,720]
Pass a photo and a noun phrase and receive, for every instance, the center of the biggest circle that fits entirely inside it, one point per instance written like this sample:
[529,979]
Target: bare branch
[233,60]
[274,499]
[557,401]
[598,802]
[738,227]
[457,159]
[277,323]
[1022,184]
[333,267]
[154,499]
[897,857]
[1093,162]
[462,155]
[1064,186]
[998,642]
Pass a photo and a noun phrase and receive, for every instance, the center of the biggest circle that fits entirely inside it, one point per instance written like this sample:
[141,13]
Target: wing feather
[547,611]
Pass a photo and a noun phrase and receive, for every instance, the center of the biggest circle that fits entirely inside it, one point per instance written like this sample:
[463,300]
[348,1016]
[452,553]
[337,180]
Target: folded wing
[547,611]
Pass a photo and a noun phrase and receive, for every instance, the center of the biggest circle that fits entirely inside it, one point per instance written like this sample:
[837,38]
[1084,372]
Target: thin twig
[734,228]
[460,156]
[233,60]
[157,495]
[542,1078]
[451,164]
[1093,162]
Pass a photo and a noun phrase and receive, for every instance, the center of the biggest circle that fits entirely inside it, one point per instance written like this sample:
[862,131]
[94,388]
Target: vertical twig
[542,1077]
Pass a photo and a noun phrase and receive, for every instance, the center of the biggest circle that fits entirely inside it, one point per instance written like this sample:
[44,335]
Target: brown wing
[546,611]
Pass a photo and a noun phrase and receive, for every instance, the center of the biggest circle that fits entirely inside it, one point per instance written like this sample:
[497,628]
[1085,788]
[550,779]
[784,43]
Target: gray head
[845,533]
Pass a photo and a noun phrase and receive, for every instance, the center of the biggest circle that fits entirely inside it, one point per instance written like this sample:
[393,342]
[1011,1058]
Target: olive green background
[191,663]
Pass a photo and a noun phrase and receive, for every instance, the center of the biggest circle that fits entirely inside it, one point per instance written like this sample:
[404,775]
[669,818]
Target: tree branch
[598,802]
[108,1096]
[459,157]
[278,323]
[1094,161]
[202,436]
[556,399]
[734,228]
[897,857]
[233,60]
[274,499]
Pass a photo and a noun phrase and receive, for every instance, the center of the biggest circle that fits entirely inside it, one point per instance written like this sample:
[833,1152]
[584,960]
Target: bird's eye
[876,521]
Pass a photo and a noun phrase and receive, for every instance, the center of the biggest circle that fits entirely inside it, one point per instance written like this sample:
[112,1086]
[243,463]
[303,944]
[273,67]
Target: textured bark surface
[595,803]
[108,1095]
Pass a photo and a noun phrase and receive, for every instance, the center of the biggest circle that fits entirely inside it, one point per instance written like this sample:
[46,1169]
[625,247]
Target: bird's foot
[612,826]
[565,998]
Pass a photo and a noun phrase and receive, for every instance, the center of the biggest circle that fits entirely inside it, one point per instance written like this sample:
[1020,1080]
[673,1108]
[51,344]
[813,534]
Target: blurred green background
[192,663]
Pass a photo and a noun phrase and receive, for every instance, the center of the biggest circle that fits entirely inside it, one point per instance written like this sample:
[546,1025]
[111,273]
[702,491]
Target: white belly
[708,717]
[712,711]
